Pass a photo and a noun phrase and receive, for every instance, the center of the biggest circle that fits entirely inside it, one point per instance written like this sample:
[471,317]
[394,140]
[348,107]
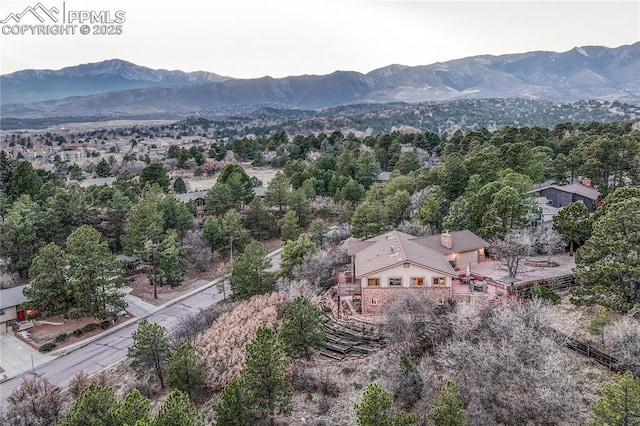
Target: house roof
[395,248]
[12,296]
[259,191]
[462,241]
[383,176]
[189,196]
[97,182]
[575,188]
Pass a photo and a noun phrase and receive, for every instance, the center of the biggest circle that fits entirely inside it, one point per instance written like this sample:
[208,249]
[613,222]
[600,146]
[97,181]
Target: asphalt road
[113,347]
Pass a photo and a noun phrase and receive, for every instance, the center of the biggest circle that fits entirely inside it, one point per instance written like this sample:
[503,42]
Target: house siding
[385,294]
[562,199]
[9,314]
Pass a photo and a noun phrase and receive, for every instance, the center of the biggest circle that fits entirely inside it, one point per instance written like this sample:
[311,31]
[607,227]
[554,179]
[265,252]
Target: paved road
[113,347]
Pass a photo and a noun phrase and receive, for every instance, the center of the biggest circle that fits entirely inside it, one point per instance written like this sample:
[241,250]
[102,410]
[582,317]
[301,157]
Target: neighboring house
[461,248]
[196,197]
[260,191]
[394,263]
[382,179]
[561,196]
[108,181]
[546,212]
[10,301]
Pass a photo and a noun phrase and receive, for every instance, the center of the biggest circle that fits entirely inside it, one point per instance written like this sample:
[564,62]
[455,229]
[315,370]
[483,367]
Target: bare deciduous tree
[198,251]
[624,339]
[321,266]
[36,401]
[512,250]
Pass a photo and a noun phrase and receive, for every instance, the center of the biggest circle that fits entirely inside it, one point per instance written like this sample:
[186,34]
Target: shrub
[78,332]
[90,327]
[105,324]
[61,337]
[47,347]
[541,292]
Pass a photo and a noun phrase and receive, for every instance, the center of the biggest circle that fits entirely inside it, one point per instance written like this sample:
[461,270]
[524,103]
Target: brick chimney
[586,182]
[446,239]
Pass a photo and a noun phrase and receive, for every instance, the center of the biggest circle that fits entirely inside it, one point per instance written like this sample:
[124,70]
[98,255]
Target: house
[546,212]
[382,179]
[394,263]
[461,248]
[561,196]
[10,301]
[197,197]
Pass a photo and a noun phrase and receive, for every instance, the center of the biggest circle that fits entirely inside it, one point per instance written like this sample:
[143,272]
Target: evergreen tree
[144,223]
[448,411]
[48,290]
[599,322]
[132,409]
[278,191]
[250,274]
[572,222]
[620,402]
[96,406]
[607,265]
[176,214]
[179,187]
[103,168]
[368,220]
[259,221]
[155,174]
[150,350]
[219,199]
[293,254]
[186,370]
[20,234]
[94,275]
[374,410]
[318,231]
[177,410]
[300,204]
[234,408]
[301,328]
[264,373]
[290,229]
[166,261]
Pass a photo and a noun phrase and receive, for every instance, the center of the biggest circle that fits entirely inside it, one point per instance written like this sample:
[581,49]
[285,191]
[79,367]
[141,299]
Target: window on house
[1,311]
[406,265]
[395,281]
[374,301]
[438,281]
[417,281]
[373,282]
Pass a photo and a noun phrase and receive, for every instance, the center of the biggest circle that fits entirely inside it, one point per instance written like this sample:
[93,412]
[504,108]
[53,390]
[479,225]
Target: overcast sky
[253,38]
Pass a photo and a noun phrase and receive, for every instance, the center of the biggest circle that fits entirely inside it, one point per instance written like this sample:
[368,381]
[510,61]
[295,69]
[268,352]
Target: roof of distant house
[575,188]
[12,296]
[394,248]
[383,176]
[189,196]
[462,241]
[259,191]
[97,182]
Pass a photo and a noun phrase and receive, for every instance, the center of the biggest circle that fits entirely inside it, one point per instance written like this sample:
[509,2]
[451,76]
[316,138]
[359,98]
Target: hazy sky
[253,38]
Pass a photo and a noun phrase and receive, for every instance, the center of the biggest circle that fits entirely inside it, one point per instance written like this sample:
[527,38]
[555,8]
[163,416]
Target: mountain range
[117,88]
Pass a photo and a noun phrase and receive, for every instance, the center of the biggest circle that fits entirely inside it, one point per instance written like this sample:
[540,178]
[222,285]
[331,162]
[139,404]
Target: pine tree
[234,408]
[375,406]
[177,410]
[150,350]
[599,322]
[278,191]
[290,229]
[264,373]
[179,187]
[132,409]
[293,254]
[48,290]
[301,327]
[166,261]
[620,402]
[186,370]
[448,411]
[96,405]
[250,274]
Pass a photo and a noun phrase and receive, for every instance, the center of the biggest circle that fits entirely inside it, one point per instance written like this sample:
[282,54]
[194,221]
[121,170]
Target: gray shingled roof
[395,248]
[12,296]
[462,241]
[188,196]
[575,188]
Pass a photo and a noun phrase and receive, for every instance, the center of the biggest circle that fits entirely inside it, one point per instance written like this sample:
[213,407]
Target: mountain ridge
[587,72]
